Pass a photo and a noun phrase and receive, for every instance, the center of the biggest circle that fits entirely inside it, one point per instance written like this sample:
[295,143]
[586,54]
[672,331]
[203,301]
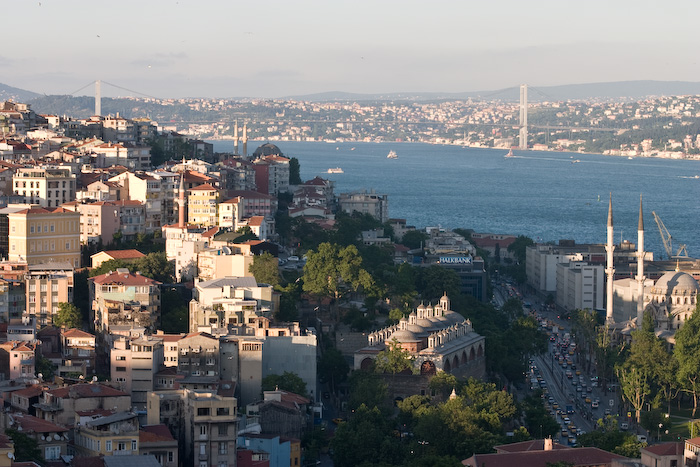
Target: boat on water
[335,170]
[575,161]
[392,155]
[510,153]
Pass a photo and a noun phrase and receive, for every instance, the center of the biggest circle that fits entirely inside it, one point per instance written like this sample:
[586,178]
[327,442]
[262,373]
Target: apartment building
[17,359]
[133,156]
[364,202]
[202,202]
[146,189]
[134,364]
[48,285]
[48,187]
[61,405]
[42,235]
[78,350]
[206,420]
[580,286]
[121,298]
[111,435]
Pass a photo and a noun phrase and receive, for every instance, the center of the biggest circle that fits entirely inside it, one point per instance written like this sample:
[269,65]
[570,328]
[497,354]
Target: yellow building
[112,435]
[43,235]
[201,205]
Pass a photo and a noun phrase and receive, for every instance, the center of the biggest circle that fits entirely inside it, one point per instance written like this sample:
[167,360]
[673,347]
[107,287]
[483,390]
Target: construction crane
[668,241]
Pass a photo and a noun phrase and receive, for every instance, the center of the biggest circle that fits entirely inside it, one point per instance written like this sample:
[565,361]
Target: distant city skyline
[185,48]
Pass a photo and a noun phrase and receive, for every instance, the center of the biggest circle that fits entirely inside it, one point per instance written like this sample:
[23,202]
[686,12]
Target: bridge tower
[98,98]
[523,116]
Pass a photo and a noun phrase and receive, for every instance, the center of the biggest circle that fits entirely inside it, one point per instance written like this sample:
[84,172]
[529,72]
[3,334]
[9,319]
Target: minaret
[609,270]
[181,202]
[245,140]
[640,267]
[235,139]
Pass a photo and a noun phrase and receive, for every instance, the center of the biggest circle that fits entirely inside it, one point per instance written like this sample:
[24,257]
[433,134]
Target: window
[121,446]
[52,453]
[221,411]
[203,411]
[223,430]
[133,445]
[108,446]
[203,430]
[121,368]
[171,456]
[223,447]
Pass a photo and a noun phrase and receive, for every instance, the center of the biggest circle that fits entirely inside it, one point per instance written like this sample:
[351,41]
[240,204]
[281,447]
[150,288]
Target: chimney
[548,444]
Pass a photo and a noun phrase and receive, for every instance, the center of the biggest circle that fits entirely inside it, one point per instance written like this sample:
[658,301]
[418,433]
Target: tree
[634,382]
[687,355]
[414,239]
[519,246]
[26,448]
[394,359]
[174,311]
[330,270]
[362,438]
[287,381]
[265,269]
[68,315]
[294,171]
[333,367]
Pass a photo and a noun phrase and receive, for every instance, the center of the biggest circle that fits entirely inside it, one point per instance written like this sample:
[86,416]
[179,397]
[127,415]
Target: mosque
[670,300]
[438,338]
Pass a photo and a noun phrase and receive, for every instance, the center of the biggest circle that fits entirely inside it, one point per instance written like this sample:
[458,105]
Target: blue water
[539,194]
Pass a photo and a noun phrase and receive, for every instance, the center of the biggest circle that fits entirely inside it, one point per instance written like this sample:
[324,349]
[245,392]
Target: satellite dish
[43,437]
[94,379]
[11,455]
[56,437]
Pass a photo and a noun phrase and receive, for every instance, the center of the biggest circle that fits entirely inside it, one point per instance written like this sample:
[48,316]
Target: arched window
[427,368]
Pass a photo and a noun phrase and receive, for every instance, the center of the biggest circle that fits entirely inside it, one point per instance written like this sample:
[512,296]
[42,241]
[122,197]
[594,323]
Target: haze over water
[543,195]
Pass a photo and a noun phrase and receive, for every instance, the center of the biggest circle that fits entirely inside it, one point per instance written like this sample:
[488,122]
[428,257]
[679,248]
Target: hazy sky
[229,48]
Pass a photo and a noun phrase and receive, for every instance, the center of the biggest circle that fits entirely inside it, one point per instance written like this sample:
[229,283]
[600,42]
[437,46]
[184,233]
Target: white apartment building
[580,286]
[47,187]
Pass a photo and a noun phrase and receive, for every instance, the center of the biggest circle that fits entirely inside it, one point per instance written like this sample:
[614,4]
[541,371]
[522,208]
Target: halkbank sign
[455,260]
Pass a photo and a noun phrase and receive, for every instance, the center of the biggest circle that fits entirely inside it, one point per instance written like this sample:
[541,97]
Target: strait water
[543,195]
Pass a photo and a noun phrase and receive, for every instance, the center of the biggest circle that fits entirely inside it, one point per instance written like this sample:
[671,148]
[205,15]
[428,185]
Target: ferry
[335,170]
[392,155]
[510,153]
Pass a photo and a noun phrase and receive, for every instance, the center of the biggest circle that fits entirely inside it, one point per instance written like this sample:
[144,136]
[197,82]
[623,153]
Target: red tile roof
[124,254]
[155,434]
[31,391]
[81,390]
[577,457]
[73,332]
[666,449]
[123,279]
[205,186]
[31,424]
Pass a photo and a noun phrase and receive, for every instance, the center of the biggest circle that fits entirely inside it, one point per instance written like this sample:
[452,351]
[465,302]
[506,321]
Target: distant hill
[613,90]
[83,106]
[18,95]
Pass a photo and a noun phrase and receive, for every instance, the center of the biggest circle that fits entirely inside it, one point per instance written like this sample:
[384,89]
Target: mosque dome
[454,317]
[416,329]
[404,335]
[267,149]
[676,283]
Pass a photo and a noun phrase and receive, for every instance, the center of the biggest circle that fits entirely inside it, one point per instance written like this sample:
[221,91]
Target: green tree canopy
[287,381]
[394,359]
[687,355]
[68,315]
[26,448]
[265,269]
[294,171]
[332,270]
[414,239]
[154,265]
[519,246]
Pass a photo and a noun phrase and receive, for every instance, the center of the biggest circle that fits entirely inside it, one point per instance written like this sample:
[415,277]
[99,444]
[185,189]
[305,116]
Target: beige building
[112,435]
[146,189]
[134,364]
[78,349]
[99,221]
[221,262]
[231,212]
[47,187]
[207,422]
[42,235]
[364,202]
[123,255]
[17,360]
[47,285]
[199,355]
[133,156]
